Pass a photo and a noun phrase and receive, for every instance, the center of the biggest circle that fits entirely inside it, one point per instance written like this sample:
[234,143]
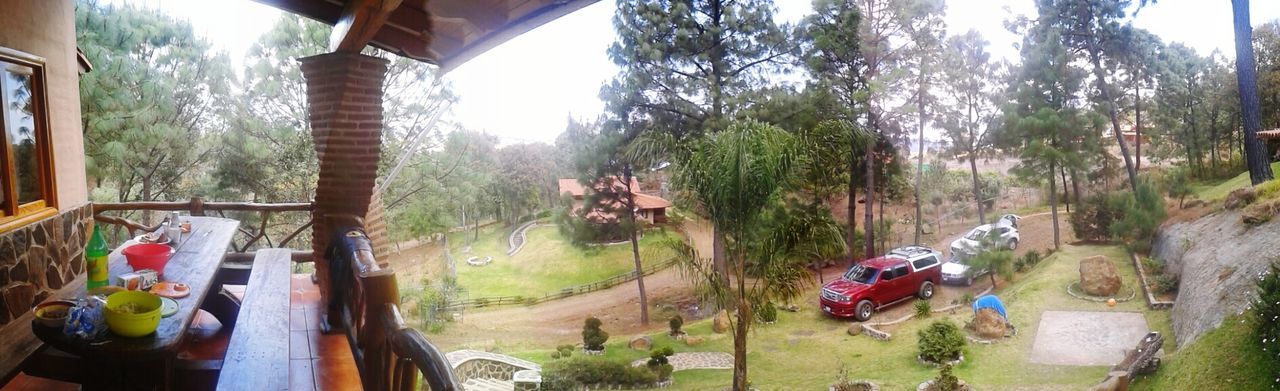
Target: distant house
[649,208]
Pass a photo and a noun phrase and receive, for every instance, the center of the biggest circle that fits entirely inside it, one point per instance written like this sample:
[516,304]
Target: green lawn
[804,350]
[1216,190]
[1225,358]
[547,263]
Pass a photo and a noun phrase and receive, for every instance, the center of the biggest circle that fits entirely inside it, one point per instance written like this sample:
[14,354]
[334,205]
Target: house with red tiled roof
[649,208]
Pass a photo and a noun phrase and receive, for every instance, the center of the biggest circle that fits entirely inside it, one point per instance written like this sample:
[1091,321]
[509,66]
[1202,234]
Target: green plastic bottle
[95,258]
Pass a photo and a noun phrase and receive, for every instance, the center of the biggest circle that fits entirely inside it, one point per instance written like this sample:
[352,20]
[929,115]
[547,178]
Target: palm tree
[739,176]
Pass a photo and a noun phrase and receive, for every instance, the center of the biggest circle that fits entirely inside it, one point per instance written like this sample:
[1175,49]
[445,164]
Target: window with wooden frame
[26,159]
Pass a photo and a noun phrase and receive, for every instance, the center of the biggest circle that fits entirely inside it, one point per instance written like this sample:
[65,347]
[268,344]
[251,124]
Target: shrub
[845,383]
[1092,216]
[580,371]
[1153,266]
[1267,315]
[923,308]
[1019,265]
[942,341]
[998,261]
[946,381]
[675,324]
[593,338]
[1140,215]
[1269,189]
[1165,283]
[1031,258]
[1178,184]
[659,365]
[563,351]
[967,298]
[767,313]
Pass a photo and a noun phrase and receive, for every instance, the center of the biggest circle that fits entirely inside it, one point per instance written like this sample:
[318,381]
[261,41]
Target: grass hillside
[546,264]
[1223,359]
[1214,191]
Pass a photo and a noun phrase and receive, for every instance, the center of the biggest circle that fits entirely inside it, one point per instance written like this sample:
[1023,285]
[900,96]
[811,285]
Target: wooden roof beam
[360,21]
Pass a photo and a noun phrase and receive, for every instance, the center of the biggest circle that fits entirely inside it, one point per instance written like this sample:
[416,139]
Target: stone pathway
[696,360]
[515,242]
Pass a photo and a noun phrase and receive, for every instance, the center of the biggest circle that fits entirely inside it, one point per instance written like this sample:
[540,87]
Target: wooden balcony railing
[363,300]
[257,233]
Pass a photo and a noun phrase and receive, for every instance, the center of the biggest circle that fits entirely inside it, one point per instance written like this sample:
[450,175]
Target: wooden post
[380,290]
[197,206]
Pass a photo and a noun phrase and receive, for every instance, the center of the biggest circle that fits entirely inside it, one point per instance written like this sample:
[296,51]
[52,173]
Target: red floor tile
[336,373]
[22,382]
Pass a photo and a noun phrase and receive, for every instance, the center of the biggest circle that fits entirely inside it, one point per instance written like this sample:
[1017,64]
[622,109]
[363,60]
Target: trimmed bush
[593,338]
[675,324]
[563,351]
[946,381]
[923,308]
[577,372]
[941,342]
[659,365]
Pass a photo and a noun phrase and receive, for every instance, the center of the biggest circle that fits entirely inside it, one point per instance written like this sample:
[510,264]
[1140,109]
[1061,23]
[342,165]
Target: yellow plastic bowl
[133,324]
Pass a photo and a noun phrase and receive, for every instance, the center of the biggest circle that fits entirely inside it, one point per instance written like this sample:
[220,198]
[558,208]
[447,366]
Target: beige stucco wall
[46,28]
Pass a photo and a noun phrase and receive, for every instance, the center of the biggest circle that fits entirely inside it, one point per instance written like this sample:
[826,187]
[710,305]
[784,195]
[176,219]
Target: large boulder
[720,324]
[1239,198]
[693,341]
[1098,276]
[988,324]
[640,342]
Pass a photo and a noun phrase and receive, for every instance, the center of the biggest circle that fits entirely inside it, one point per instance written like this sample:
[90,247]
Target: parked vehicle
[880,282]
[1003,234]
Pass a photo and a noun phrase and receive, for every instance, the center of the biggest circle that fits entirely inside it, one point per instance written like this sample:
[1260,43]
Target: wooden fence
[256,234]
[495,301]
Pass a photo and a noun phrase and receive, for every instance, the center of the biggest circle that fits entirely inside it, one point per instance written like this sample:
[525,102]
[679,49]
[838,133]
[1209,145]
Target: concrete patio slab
[1086,338]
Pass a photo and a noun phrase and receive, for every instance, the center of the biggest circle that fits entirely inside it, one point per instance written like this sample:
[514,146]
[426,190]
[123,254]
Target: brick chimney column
[344,93]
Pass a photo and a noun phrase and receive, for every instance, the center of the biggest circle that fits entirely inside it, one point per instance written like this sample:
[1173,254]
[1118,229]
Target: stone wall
[39,259]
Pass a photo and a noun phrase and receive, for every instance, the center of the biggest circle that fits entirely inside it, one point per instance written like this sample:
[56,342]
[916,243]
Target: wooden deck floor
[316,361]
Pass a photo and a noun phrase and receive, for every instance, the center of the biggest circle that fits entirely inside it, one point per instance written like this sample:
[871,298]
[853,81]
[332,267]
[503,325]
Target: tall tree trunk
[718,255]
[740,328]
[635,245]
[1247,79]
[884,239]
[852,217]
[1065,197]
[1053,206]
[1101,74]
[1137,128]
[919,154]
[868,224]
[973,165]
[1075,187]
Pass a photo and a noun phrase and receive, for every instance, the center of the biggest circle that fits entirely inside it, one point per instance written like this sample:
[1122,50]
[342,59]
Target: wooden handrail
[197,206]
[407,344]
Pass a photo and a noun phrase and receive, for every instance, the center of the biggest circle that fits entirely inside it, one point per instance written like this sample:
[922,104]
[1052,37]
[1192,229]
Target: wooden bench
[258,354]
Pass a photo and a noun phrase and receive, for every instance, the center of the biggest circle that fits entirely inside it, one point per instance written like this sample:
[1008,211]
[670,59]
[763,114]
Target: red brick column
[344,91]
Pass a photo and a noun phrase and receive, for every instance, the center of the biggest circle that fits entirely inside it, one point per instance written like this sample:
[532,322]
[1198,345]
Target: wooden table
[146,362]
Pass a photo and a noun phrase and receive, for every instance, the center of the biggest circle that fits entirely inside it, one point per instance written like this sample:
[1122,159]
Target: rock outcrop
[988,323]
[1098,276]
[1217,259]
[720,324]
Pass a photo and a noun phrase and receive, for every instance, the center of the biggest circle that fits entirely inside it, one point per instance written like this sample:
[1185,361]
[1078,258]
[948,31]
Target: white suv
[1003,234]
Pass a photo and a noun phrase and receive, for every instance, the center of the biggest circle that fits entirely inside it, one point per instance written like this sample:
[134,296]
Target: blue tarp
[992,302]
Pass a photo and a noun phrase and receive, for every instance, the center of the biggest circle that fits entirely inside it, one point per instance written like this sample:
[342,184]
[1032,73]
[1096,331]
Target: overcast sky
[525,89]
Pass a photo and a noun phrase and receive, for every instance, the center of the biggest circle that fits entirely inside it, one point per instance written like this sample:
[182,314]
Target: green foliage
[923,309]
[767,312]
[946,381]
[593,338]
[1178,184]
[1031,258]
[675,323]
[1269,190]
[940,342]
[563,351]
[1140,216]
[966,299]
[1093,216]
[576,372]
[659,365]
[1165,283]
[997,261]
[1266,317]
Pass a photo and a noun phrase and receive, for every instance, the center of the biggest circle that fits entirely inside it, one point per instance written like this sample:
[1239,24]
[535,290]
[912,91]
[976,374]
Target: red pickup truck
[880,282]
